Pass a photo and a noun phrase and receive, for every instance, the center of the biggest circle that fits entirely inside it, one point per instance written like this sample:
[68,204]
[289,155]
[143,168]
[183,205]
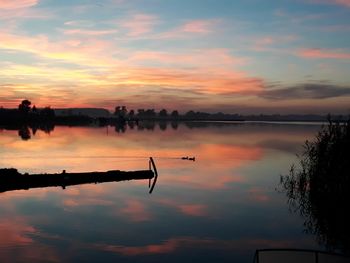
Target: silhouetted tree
[190,114]
[163,113]
[24,133]
[47,113]
[117,111]
[150,113]
[24,107]
[131,114]
[140,112]
[319,187]
[174,114]
[124,111]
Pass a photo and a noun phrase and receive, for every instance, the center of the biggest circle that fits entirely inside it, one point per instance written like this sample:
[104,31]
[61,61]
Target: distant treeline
[122,112]
[28,114]
[32,116]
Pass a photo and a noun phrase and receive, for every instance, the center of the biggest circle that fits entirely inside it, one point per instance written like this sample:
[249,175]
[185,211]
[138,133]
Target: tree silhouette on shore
[319,189]
[24,107]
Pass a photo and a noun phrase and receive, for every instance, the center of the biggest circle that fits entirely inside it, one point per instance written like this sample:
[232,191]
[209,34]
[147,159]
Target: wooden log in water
[11,179]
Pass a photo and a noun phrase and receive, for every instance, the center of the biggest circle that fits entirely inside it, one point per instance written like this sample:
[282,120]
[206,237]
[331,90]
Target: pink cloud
[209,80]
[187,209]
[200,57]
[177,243]
[193,210]
[84,32]
[136,211]
[139,24]
[342,2]
[337,2]
[323,53]
[258,194]
[17,234]
[264,43]
[75,51]
[11,4]
[198,26]
[15,231]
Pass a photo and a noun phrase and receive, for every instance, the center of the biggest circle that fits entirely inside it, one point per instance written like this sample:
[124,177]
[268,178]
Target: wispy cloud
[178,243]
[345,3]
[136,211]
[198,26]
[17,4]
[307,91]
[139,24]
[191,28]
[77,52]
[85,32]
[200,58]
[20,10]
[323,53]
[264,43]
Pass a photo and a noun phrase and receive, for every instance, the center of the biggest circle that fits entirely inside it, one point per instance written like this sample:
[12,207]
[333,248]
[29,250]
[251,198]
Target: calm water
[220,208]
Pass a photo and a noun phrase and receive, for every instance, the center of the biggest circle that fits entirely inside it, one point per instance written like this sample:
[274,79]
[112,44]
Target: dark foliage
[320,188]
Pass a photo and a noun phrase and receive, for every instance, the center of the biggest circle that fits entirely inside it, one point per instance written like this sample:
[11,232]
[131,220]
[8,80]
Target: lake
[221,207]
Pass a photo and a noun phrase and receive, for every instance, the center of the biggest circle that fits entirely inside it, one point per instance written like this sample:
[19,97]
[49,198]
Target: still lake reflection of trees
[320,188]
[26,131]
[220,208]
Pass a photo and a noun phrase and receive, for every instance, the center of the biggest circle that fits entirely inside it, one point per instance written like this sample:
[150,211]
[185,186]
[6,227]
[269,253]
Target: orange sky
[218,57]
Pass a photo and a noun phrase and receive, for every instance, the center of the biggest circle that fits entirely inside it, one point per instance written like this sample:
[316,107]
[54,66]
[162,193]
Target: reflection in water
[220,208]
[319,189]
[26,131]
[297,255]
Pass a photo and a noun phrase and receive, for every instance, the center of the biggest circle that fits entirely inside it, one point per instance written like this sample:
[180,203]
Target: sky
[234,56]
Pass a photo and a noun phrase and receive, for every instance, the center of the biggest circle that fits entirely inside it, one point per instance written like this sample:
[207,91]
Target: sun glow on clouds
[16,4]
[208,71]
[124,56]
[139,24]
[324,53]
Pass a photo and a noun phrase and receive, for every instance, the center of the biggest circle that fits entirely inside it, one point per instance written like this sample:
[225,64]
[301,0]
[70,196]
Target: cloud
[204,80]
[323,53]
[17,4]
[307,91]
[264,43]
[179,243]
[90,52]
[84,32]
[19,10]
[198,26]
[210,57]
[345,3]
[187,209]
[136,211]
[139,24]
[342,2]
[190,28]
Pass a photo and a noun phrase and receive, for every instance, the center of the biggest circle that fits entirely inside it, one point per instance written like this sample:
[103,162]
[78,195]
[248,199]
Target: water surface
[220,208]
